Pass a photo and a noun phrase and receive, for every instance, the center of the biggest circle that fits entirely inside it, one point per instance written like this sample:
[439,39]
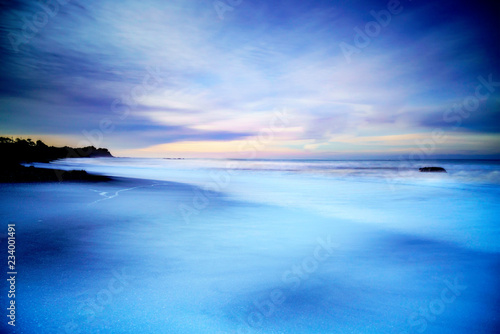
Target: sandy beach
[119,256]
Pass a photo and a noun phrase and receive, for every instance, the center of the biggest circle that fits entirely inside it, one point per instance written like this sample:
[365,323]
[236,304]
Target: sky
[254,78]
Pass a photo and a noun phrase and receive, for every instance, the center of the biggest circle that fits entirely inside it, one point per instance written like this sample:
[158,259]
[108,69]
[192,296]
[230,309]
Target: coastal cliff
[18,151]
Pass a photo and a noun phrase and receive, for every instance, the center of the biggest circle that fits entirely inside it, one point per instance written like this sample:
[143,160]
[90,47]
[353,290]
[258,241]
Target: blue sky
[207,79]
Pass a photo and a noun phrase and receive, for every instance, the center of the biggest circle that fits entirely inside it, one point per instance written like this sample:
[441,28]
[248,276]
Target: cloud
[221,80]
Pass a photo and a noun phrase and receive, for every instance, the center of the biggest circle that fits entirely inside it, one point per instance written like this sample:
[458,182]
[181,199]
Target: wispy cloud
[222,79]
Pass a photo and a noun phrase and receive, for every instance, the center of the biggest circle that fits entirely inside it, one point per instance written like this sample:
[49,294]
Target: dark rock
[15,152]
[31,174]
[100,153]
[433,169]
[21,150]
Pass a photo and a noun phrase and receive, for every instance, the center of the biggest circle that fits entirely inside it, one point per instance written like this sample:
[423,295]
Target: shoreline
[21,174]
[19,151]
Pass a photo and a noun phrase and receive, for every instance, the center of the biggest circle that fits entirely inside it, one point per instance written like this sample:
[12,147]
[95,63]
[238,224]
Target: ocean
[258,246]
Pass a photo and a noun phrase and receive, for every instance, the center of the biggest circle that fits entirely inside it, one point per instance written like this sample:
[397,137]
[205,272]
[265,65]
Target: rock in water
[432,169]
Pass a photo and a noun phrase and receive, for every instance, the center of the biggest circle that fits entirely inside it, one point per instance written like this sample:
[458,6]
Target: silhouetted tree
[6,140]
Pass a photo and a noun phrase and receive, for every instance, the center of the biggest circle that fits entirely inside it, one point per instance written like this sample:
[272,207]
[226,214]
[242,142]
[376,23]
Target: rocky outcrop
[432,169]
[25,150]
[19,174]
[16,152]
[100,153]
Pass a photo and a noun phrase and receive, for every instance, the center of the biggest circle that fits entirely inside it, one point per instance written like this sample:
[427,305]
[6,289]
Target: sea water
[257,246]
